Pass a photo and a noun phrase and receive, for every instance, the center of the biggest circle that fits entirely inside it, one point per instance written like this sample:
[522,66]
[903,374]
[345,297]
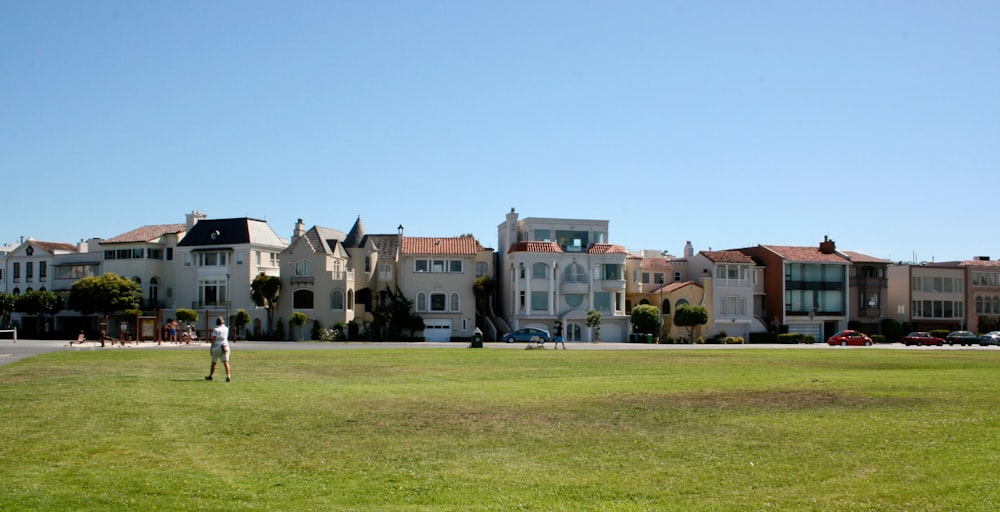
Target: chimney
[300,229]
[982,258]
[827,246]
[193,218]
[688,250]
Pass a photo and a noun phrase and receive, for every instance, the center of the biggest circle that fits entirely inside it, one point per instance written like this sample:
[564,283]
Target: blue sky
[726,123]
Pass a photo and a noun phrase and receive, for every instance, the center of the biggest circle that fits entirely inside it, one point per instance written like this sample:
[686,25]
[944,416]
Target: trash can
[477,341]
[649,338]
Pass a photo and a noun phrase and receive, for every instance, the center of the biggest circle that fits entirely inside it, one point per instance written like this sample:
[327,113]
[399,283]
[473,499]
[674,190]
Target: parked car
[527,334]
[849,337]
[962,338]
[921,338]
[990,338]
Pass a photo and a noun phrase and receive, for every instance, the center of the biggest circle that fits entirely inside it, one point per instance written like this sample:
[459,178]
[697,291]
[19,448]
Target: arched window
[539,271]
[575,273]
[979,305]
[337,300]
[302,299]
[350,299]
[421,303]
[17,291]
[154,291]
[456,304]
[681,302]
[666,306]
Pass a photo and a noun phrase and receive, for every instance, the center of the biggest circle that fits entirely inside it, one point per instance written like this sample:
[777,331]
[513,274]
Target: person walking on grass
[220,348]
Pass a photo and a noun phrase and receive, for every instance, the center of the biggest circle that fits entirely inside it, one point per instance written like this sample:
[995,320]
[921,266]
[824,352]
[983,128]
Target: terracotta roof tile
[53,247]
[146,233]
[534,247]
[727,257]
[857,257]
[606,249]
[463,245]
[674,286]
[804,254]
[655,264]
[980,263]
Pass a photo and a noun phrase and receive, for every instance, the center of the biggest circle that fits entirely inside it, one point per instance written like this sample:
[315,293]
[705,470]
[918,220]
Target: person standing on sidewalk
[220,348]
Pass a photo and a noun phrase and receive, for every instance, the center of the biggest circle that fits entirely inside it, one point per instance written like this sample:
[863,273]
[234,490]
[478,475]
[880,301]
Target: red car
[921,338]
[849,337]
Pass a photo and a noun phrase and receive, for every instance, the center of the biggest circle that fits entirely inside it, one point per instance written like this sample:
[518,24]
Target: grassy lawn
[398,429]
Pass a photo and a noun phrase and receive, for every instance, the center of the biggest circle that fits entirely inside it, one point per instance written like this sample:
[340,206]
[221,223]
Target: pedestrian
[559,337]
[172,330]
[220,348]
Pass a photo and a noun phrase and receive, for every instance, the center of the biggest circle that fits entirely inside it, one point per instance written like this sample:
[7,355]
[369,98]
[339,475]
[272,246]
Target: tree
[104,294]
[400,315]
[594,322]
[483,289]
[240,319]
[690,316]
[7,303]
[298,320]
[38,303]
[265,290]
[645,319]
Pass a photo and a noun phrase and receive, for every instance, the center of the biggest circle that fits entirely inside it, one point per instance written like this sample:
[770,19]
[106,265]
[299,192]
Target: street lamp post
[228,275]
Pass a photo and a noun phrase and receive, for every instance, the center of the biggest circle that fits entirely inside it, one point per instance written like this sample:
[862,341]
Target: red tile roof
[804,254]
[674,286]
[463,245]
[655,264]
[606,249]
[534,247]
[727,257]
[52,247]
[146,233]
[980,263]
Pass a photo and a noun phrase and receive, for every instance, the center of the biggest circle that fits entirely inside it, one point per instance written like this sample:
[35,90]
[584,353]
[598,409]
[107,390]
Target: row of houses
[546,270]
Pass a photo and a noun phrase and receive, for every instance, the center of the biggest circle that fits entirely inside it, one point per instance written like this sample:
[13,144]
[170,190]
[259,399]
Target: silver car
[990,338]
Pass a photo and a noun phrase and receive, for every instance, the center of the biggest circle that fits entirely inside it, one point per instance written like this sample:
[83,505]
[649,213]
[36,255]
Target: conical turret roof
[356,235]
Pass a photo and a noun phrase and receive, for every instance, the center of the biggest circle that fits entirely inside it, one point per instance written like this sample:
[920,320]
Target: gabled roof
[463,245]
[606,249]
[804,254]
[727,257]
[980,263]
[655,264]
[243,230]
[674,286]
[51,247]
[146,233]
[534,247]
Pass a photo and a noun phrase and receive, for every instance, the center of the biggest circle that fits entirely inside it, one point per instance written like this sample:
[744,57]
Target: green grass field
[404,429]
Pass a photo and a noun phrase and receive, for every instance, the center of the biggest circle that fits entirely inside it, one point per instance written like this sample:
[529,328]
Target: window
[302,299]
[337,301]
[438,302]
[456,305]
[659,278]
[482,269]
[602,301]
[154,254]
[303,268]
[212,292]
[17,271]
[421,302]
[573,300]
[428,265]
[187,259]
[29,270]
[575,273]
[539,301]
[733,306]
[539,271]
[77,271]
[677,276]
[368,263]
[212,258]
[170,253]
[350,299]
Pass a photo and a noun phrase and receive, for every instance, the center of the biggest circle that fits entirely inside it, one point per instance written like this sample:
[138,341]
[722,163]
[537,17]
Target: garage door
[437,330]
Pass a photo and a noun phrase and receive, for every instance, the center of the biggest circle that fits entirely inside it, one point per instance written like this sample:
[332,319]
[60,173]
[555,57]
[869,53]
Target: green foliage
[939,333]
[795,337]
[988,323]
[240,320]
[594,322]
[39,304]
[891,329]
[298,320]
[104,294]
[400,319]
[690,316]
[279,330]
[265,291]
[186,315]
[877,338]
[646,319]
[317,330]
[763,337]
[7,304]
[483,288]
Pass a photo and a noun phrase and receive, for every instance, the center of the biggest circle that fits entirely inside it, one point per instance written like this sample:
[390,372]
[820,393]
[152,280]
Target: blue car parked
[527,334]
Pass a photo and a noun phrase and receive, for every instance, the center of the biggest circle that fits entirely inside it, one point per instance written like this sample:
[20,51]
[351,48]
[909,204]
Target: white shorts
[220,351]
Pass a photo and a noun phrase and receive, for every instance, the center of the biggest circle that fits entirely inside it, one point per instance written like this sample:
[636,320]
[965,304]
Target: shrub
[877,338]
[891,329]
[795,337]
[940,333]
[763,337]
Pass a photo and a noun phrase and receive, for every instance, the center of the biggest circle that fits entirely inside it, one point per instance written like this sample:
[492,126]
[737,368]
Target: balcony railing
[197,304]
